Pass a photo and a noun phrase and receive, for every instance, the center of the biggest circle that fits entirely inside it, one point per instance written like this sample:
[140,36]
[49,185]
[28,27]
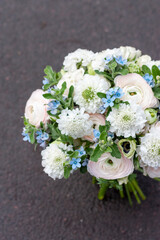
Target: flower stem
[135,193]
[121,192]
[135,184]
[157,179]
[128,194]
[102,191]
[94,180]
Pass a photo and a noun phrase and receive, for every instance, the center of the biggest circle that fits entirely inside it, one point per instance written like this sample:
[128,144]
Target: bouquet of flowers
[99,114]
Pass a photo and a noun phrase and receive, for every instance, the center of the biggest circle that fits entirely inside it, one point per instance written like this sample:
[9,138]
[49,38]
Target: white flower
[109,167]
[81,56]
[71,78]
[127,121]
[98,62]
[143,60]
[86,92]
[129,53]
[149,150]
[36,108]
[136,90]
[151,63]
[52,161]
[74,123]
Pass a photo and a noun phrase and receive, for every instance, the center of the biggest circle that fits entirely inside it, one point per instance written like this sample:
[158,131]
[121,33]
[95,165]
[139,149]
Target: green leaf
[67,139]
[102,128]
[155,71]
[146,69]
[122,72]
[74,154]
[109,149]
[49,73]
[71,91]
[83,169]
[104,74]
[156,91]
[48,96]
[64,86]
[96,154]
[101,95]
[103,136]
[115,151]
[32,136]
[67,170]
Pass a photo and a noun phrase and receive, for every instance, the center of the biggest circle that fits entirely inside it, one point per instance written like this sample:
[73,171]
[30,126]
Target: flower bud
[151,115]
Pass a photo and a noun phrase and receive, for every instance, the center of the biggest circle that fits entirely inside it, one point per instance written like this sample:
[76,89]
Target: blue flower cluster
[111,96]
[45,81]
[96,134]
[149,79]
[118,59]
[53,105]
[25,136]
[42,137]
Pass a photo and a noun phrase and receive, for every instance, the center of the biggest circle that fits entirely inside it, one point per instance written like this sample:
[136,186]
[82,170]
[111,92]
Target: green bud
[90,70]
[151,115]
[133,68]
[128,147]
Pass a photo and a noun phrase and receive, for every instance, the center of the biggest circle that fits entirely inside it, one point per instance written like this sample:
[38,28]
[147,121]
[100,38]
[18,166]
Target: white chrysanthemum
[81,56]
[86,92]
[98,62]
[52,161]
[149,150]
[127,121]
[74,123]
[71,78]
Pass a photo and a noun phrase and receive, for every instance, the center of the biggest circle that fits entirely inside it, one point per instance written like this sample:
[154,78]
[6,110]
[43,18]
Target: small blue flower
[109,101]
[108,59]
[96,133]
[120,60]
[119,93]
[42,137]
[159,67]
[45,81]
[75,162]
[53,105]
[102,109]
[85,162]
[81,151]
[26,136]
[149,79]
[112,91]
[110,134]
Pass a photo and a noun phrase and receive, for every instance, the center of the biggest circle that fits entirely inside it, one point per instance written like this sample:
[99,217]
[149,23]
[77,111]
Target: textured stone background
[35,33]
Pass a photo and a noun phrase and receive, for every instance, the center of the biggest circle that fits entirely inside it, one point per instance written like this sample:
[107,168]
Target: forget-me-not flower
[149,79]
[120,60]
[108,101]
[85,162]
[26,136]
[52,106]
[81,151]
[42,137]
[75,163]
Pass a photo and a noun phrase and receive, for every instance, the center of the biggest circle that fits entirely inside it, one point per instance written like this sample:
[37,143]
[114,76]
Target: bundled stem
[102,191]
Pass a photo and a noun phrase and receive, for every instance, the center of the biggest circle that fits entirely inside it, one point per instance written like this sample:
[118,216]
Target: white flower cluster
[127,121]
[74,123]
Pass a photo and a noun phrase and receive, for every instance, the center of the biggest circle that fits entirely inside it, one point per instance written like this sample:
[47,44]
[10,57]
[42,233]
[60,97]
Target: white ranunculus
[71,78]
[136,90]
[143,60]
[109,167]
[36,108]
[130,53]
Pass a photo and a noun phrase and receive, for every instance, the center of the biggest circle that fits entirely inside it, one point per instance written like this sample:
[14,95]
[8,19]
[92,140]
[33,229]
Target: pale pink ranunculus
[109,167]
[36,108]
[152,172]
[97,119]
[136,89]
